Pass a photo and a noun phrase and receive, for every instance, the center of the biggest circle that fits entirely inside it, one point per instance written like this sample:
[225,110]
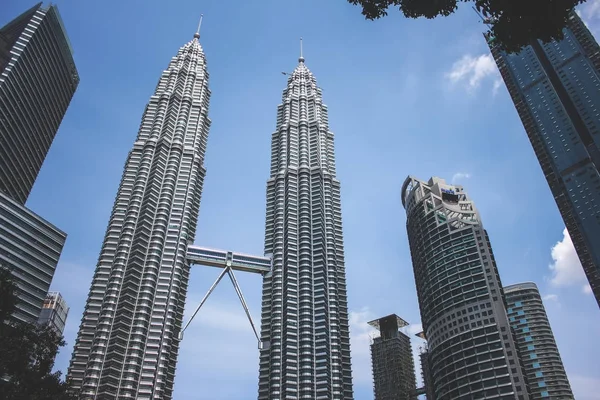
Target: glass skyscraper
[54,312]
[305,335]
[128,339]
[541,361]
[37,81]
[471,350]
[556,90]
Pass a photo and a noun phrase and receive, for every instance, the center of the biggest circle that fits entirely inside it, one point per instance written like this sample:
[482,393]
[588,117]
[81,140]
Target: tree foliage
[513,23]
[27,353]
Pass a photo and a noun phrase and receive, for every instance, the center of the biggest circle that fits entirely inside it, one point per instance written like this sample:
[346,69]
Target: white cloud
[566,267]
[587,289]
[361,334]
[473,70]
[459,176]
[550,297]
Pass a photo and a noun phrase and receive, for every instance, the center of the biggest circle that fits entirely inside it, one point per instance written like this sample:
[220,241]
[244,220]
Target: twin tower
[131,328]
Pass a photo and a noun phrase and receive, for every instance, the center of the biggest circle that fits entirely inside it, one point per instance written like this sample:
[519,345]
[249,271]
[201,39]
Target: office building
[556,90]
[128,339]
[37,81]
[30,248]
[542,364]
[306,351]
[472,353]
[392,361]
[54,312]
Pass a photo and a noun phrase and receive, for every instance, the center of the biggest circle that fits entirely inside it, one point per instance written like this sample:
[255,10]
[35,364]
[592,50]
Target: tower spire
[301,59]
[197,34]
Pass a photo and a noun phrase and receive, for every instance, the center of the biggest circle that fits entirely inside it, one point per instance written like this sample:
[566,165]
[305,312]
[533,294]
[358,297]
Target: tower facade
[392,360]
[541,361]
[472,352]
[305,335]
[555,89]
[37,81]
[54,312]
[128,339]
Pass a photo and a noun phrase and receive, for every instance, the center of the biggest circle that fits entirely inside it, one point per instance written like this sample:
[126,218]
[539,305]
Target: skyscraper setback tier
[555,88]
[541,361]
[128,339]
[37,81]
[472,353]
[306,352]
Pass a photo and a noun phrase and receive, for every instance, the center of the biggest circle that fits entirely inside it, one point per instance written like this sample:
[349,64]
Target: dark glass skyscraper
[306,352]
[37,81]
[392,361]
[556,90]
[128,340]
[541,361]
[54,312]
[472,352]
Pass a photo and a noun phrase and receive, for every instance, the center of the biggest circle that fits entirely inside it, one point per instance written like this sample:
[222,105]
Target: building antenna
[197,34]
[301,59]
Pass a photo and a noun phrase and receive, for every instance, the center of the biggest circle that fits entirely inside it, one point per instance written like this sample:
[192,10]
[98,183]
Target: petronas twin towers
[129,336]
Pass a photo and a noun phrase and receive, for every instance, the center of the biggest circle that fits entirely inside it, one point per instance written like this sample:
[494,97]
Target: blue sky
[405,97]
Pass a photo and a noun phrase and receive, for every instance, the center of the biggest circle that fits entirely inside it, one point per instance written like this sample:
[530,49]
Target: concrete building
[128,340]
[306,352]
[472,353]
[54,312]
[37,81]
[555,90]
[541,360]
[30,247]
[392,361]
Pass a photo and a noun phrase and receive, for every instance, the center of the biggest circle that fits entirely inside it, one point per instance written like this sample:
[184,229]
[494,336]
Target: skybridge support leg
[243,301]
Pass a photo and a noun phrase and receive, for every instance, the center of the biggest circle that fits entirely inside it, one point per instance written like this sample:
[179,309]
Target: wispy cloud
[460,176]
[585,387]
[566,267]
[550,297]
[473,70]
[361,334]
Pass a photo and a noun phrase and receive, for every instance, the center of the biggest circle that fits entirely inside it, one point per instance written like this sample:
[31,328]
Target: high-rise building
[305,334]
[37,81]
[541,361]
[30,248]
[555,88]
[129,335]
[472,353]
[392,361]
[54,312]
[426,373]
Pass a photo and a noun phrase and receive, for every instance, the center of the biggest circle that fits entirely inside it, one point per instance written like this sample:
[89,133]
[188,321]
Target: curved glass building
[472,352]
[541,361]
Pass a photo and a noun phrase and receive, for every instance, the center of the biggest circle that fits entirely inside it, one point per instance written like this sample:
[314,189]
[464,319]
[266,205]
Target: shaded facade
[30,248]
[37,81]
[128,340]
[392,361]
[305,334]
[541,360]
[472,353]
[54,312]
[555,88]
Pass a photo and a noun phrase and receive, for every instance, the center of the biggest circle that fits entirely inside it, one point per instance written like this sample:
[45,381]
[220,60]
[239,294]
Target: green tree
[513,23]
[27,353]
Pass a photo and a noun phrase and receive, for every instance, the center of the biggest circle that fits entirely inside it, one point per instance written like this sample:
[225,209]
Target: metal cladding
[128,339]
[306,345]
[37,81]
[472,353]
[541,360]
[554,87]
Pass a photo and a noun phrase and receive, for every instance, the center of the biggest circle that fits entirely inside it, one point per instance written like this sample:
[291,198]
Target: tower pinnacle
[301,59]
[197,34]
